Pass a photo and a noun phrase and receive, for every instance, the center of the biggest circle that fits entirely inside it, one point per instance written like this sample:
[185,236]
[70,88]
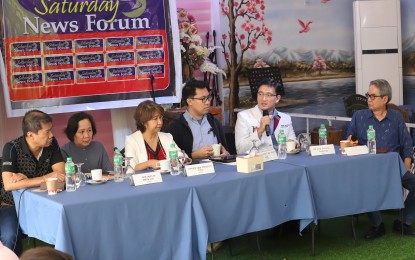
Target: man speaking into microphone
[263,122]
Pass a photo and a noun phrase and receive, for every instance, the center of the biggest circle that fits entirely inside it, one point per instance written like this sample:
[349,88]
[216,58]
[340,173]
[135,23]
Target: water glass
[80,179]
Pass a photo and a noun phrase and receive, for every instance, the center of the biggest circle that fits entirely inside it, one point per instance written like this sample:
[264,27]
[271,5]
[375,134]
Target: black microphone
[265,113]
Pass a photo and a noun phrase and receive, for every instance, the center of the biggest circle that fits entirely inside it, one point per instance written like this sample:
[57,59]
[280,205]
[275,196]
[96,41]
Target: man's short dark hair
[72,126]
[33,119]
[189,90]
[279,89]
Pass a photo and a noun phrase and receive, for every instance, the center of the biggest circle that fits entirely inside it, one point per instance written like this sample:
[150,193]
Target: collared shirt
[202,131]
[391,132]
[17,158]
[94,156]
[249,121]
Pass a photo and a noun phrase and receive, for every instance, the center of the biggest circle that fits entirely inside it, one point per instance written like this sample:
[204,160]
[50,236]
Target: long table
[170,220]
[345,185]
[175,219]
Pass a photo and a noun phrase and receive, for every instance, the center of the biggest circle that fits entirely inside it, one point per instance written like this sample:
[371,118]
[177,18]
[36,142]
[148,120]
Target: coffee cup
[165,165]
[344,144]
[216,149]
[96,174]
[51,186]
[291,145]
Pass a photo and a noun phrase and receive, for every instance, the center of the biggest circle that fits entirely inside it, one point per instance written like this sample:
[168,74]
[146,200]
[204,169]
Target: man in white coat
[262,122]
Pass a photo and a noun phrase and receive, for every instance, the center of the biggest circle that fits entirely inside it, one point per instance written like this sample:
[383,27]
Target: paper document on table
[268,152]
[356,150]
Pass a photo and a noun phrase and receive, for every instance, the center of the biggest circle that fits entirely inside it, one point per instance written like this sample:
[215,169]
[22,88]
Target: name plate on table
[147,178]
[356,150]
[268,153]
[199,169]
[322,149]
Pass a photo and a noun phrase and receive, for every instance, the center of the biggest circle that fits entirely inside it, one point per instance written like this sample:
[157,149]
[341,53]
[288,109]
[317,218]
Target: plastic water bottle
[174,161]
[118,166]
[322,135]
[371,139]
[70,176]
[282,145]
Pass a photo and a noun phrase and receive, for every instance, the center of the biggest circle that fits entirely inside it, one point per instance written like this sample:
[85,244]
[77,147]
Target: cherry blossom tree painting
[246,27]
[319,64]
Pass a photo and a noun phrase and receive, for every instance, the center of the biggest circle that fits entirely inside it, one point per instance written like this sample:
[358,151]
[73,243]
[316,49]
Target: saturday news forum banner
[65,52]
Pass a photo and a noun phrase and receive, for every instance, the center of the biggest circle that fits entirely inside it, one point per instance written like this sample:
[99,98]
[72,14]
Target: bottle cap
[281,131]
[370,126]
[322,125]
[68,159]
[172,145]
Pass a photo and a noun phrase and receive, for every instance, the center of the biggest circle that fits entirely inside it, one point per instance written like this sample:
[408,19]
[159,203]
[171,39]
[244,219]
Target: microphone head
[265,113]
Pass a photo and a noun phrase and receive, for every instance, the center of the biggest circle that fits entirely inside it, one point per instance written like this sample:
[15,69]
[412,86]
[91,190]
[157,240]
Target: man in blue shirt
[196,129]
[392,135]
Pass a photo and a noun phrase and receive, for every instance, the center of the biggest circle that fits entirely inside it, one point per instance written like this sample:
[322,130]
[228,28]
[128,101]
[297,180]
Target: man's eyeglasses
[372,96]
[266,95]
[203,99]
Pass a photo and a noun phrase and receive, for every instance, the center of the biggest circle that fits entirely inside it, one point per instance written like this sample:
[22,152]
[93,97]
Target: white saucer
[295,151]
[96,182]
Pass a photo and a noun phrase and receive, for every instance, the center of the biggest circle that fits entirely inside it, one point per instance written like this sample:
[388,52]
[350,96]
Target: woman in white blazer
[147,146]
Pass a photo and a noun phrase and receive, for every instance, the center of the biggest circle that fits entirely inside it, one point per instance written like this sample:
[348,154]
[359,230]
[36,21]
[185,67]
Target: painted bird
[306,27]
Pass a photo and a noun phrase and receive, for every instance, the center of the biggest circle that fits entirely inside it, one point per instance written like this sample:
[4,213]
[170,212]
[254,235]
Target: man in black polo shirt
[27,162]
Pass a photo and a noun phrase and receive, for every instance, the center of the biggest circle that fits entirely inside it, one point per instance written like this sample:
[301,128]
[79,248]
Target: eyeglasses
[372,96]
[203,99]
[266,95]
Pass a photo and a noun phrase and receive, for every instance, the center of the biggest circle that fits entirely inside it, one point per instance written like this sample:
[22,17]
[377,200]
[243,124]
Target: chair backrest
[256,75]
[353,103]
[404,112]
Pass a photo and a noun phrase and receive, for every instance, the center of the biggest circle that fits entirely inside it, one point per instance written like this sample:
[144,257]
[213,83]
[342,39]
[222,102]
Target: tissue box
[250,164]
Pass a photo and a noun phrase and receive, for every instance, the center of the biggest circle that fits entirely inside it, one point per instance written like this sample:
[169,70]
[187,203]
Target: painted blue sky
[332,26]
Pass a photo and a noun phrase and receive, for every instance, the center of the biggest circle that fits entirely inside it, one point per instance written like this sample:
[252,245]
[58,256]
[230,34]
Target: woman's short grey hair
[384,88]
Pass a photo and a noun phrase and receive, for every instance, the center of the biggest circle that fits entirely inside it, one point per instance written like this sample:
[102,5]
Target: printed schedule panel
[59,52]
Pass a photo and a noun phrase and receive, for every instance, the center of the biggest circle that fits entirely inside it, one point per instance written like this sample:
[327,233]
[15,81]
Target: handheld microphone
[265,113]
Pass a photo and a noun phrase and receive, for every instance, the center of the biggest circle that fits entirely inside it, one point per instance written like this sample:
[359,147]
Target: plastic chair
[256,75]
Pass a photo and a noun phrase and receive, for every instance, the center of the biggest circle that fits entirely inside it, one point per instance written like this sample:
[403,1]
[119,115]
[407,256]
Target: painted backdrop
[311,41]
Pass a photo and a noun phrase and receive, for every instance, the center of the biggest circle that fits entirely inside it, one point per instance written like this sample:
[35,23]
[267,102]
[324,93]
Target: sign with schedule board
[78,53]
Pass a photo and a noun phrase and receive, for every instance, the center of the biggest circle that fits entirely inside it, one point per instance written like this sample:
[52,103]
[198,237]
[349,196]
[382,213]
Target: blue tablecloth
[175,219]
[344,185]
[234,204]
[170,220]
[117,221]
